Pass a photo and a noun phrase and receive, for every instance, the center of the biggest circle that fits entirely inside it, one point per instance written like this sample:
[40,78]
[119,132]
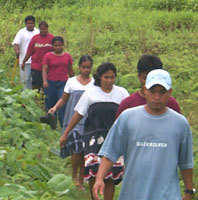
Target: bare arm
[27,56]
[71,71]
[60,103]
[17,50]
[74,120]
[44,75]
[187,176]
[99,185]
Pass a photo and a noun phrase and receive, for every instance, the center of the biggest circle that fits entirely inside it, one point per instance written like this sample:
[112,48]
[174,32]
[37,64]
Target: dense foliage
[188,5]
[116,31]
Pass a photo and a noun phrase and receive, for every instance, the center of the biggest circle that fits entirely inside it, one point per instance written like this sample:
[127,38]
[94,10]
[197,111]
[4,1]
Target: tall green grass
[120,32]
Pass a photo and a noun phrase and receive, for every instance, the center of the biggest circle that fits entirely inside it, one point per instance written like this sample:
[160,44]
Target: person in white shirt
[20,44]
[74,88]
[100,104]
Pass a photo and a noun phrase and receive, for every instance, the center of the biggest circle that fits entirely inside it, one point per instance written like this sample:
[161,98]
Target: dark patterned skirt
[100,118]
[75,143]
[92,162]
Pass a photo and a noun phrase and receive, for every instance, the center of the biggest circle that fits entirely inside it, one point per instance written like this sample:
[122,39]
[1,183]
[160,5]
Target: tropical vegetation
[108,30]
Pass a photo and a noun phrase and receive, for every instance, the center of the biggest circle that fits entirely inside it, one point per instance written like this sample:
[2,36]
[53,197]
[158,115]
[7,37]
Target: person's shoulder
[49,54]
[31,33]
[177,116]
[172,103]
[135,109]
[127,99]
[67,54]
[132,111]
[36,36]
[22,30]
[50,36]
[36,29]
[72,79]
[133,96]
[93,90]
[120,88]
[171,98]
[175,113]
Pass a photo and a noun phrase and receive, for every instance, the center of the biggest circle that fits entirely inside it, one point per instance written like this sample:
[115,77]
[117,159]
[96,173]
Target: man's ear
[144,88]
[138,75]
[170,91]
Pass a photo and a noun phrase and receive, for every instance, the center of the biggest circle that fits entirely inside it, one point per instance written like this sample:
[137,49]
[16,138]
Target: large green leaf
[16,191]
[60,182]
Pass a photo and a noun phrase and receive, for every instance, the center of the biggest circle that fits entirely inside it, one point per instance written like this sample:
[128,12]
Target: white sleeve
[125,93]
[83,104]
[67,88]
[17,39]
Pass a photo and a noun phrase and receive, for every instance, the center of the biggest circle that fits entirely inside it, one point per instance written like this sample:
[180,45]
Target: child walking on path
[74,88]
[57,68]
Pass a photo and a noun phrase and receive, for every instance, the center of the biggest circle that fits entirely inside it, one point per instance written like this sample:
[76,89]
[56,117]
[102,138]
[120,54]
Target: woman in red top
[39,45]
[57,68]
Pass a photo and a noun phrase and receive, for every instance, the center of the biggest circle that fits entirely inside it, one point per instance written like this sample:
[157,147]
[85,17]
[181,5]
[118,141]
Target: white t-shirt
[23,38]
[96,94]
[73,84]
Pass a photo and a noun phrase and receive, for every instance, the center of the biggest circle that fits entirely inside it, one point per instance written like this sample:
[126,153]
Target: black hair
[85,58]
[148,63]
[57,38]
[103,68]
[43,23]
[30,17]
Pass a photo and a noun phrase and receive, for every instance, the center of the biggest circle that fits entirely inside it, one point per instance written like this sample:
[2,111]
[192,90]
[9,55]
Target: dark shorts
[37,79]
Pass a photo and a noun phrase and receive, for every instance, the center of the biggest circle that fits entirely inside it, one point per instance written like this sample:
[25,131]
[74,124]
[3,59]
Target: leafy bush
[28,164]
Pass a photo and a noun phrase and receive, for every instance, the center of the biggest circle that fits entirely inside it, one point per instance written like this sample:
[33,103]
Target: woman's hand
[52,110]
[63,140]
[23,66]
[45,84]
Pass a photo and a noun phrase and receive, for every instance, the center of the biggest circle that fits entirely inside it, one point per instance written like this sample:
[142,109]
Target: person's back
[20,44]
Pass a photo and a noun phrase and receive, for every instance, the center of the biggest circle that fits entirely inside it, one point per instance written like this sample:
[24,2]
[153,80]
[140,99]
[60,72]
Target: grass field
[116,31]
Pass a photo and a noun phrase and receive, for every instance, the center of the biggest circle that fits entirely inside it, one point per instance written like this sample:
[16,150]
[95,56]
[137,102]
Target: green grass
[115,31]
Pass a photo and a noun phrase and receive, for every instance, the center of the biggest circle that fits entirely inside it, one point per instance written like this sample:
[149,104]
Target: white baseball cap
[158,77]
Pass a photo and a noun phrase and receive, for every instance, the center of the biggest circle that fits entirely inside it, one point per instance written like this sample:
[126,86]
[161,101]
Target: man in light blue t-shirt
[155,141]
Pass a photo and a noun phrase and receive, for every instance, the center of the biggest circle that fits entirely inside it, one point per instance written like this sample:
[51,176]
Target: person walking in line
[155,140]
[39,45]
[57,68]
[145,64]
[20,44]
[73,90]
[100,104]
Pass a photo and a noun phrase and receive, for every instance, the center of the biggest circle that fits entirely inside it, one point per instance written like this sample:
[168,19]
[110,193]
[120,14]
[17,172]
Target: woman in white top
[73,90]
[100,104]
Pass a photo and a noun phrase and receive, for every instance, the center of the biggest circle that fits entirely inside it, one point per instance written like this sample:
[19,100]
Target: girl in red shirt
[57,68]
